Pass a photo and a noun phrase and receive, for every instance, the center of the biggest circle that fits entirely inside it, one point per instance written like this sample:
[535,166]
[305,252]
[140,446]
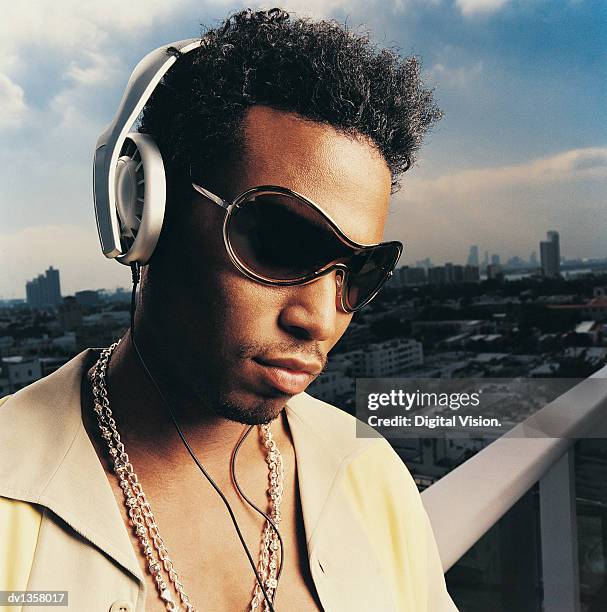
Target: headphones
[129,182]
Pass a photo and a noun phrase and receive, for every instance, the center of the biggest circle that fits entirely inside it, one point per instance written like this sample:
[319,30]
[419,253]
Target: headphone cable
[135,267]
[256,508]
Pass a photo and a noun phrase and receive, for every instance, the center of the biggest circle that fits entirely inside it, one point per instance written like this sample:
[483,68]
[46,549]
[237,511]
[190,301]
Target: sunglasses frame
[342,268]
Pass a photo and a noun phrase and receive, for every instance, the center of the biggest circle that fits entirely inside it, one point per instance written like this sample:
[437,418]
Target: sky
[522,147]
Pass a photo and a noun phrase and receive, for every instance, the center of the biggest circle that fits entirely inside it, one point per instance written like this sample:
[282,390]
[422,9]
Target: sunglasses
[279,237]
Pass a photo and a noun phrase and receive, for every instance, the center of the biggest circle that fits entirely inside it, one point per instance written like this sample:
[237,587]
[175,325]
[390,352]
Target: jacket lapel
[343,563]
[57,466]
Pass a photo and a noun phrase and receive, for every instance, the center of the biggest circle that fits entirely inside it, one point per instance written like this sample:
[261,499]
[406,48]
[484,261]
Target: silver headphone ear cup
[110,146]
[140,190]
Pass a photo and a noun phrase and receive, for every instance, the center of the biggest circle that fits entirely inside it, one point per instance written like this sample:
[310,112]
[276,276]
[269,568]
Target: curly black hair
[320,70]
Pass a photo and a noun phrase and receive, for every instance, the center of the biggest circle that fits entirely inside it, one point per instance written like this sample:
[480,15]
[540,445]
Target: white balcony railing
[466,502]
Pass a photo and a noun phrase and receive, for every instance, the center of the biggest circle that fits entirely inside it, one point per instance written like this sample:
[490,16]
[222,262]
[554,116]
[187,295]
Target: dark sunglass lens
[368,270]
[281,238]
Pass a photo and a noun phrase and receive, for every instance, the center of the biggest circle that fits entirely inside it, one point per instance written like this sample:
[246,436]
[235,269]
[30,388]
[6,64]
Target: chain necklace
[142,519]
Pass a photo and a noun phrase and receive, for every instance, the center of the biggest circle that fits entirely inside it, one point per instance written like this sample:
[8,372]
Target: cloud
[476,7]
[459,77]
[324,9]
[506,209]
[76,25]
[315,8]
[12,102]
[93,68]
[576,164]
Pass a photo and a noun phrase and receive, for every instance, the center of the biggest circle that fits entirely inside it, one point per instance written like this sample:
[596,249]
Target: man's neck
[145,426]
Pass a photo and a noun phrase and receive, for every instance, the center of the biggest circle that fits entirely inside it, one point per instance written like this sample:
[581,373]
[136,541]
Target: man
[267,100]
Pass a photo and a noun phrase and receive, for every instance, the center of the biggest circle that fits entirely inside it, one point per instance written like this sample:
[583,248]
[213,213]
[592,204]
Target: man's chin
[262,411]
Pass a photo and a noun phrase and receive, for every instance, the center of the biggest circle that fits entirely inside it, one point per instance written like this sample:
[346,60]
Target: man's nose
[311,311]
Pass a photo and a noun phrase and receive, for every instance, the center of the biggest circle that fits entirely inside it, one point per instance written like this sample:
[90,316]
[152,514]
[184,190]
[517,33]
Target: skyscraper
[553,237]
[473,259]
[533,260]
[44,290]
[550,255]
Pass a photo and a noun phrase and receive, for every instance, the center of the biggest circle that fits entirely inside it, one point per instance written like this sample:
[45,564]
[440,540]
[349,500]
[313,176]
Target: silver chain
[268,562]
[142,518]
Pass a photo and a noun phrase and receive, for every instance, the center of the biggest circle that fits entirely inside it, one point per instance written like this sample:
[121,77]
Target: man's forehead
[344,175]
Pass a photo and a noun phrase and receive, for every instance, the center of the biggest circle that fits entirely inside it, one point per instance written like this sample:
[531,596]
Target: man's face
[239,347]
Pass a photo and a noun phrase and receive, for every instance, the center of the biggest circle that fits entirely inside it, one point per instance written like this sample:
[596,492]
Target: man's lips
[289,375]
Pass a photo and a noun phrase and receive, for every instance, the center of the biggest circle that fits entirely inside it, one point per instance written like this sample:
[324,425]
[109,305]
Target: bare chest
[208,557]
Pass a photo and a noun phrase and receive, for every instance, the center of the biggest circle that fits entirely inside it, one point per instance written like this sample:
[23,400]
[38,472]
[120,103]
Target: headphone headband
[142,83]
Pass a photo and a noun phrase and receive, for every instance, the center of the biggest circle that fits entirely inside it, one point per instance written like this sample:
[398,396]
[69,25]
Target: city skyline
[521,146]
[512,263]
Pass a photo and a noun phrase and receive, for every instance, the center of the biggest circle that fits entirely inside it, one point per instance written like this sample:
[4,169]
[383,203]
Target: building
[533,260]
[357,334]
[6,343]
[4,382]
[101,328]
[593,310]
[472,274]
[87,297]
[550,255]
[494,271]
[398,277]
[334,383]
[44,291]
[587,333]
[495,260]
[454,273]
[473,258]
[436,275]
[382,359]
[407,277]
[459,326]
[553,236]
[120,295]
[70,314]
[415,276]
[515,263]
[20,371]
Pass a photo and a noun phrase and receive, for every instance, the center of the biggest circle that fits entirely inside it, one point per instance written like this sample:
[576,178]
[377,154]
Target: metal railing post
[558,528]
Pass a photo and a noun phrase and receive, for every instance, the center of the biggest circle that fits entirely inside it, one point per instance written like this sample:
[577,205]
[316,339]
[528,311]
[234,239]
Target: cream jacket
[370,544]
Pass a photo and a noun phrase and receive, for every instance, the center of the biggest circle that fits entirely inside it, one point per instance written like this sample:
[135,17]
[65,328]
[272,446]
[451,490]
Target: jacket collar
[58,467]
